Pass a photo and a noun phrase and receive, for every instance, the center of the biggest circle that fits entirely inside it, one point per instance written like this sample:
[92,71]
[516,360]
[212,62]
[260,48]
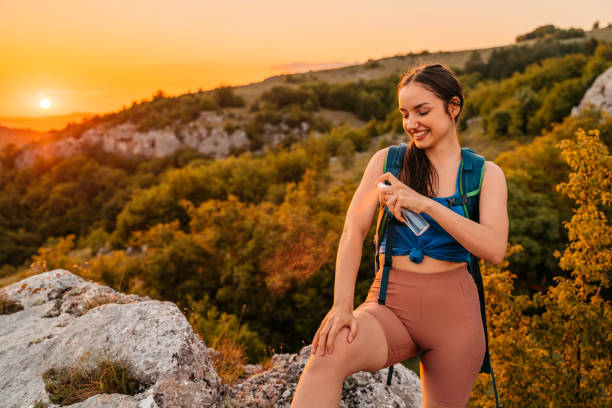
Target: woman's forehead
[413,95]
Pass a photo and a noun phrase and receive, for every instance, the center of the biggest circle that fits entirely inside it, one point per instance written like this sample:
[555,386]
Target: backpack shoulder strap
[470,181]
[393,164]
[393,161]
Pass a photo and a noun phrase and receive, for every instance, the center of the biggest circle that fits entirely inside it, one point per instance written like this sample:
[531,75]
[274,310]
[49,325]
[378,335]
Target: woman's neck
[444,154]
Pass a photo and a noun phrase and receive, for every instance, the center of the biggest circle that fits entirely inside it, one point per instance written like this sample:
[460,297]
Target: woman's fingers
[388,176]
[382,197]
[331,338]
[397,210]
[323,339]
[353,330]
[315,342]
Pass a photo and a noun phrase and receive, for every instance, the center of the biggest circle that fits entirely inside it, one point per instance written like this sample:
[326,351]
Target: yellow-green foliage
[554,348]
[532,100]
[534,206]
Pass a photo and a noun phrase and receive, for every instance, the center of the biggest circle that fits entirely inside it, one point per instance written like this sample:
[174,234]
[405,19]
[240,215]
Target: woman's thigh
[455,335]
[366,352]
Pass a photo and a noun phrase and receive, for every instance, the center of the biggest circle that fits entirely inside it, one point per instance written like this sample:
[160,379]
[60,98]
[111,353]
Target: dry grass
[352,73]
[75,384]
[229,359]
[475,138]
[8,306]
[99,301]
[266,362]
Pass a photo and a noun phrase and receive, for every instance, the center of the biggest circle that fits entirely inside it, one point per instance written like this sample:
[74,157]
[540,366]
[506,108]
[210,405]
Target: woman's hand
[336,319]
[398,196]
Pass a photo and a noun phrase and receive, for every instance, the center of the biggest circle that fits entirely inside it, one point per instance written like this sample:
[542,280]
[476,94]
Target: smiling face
[425,117]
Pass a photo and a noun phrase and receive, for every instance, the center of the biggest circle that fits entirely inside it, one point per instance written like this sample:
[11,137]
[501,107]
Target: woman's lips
[420,135]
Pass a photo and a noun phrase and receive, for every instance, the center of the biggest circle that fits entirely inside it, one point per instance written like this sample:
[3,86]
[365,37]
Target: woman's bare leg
[320,384]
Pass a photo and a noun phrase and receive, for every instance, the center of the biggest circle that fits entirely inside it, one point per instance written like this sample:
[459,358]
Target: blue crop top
[435,242]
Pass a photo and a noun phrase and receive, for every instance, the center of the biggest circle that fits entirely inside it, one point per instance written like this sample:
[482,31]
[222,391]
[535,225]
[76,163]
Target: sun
[45,103]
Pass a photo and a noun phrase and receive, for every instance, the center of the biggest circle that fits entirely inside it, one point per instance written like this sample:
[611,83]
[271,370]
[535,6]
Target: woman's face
[424,116]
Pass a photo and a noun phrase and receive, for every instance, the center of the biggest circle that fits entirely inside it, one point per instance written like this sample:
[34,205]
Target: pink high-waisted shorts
[439,314]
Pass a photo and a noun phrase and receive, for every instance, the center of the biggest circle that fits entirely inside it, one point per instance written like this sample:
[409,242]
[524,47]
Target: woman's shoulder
[380,156]
[376,164]
[492,167]
[493,174]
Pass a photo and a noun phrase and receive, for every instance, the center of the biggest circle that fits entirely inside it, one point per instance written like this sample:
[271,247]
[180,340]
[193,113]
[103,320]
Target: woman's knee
[366,352]
[334,361]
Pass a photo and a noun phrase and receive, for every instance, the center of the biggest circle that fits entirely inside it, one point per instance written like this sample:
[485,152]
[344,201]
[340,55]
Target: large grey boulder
[599,95]
[56,328]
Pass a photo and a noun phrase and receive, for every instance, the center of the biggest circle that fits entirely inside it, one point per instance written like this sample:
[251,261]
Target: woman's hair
[417,171]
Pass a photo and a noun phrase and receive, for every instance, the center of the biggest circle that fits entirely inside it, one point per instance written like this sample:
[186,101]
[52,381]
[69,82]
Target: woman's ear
[454,106]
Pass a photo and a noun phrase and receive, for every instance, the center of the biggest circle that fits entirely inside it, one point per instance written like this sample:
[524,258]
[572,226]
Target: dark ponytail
[417,172]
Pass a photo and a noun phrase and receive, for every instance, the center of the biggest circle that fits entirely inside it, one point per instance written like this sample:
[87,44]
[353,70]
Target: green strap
[463,202]
[471,193]
[477,191]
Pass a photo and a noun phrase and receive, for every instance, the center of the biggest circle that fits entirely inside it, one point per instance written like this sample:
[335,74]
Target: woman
[432,303]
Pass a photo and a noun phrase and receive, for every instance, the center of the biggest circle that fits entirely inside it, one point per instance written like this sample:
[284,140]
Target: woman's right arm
[356,225]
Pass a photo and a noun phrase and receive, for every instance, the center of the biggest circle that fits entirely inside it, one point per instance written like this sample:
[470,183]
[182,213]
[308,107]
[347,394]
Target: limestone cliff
[599,95]
[207,135]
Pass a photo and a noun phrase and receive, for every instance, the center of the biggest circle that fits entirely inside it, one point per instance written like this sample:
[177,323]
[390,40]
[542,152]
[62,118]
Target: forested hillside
[247,244]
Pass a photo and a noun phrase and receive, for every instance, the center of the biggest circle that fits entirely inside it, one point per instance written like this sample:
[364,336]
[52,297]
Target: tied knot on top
[416,255]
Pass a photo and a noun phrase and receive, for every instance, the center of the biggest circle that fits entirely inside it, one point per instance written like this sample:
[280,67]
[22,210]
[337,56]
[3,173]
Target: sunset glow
[45,103]
[100,55]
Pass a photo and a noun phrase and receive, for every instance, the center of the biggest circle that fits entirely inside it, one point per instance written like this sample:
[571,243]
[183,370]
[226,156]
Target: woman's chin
[421,144]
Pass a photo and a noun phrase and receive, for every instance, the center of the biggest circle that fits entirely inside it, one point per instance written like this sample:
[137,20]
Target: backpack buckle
[465,200]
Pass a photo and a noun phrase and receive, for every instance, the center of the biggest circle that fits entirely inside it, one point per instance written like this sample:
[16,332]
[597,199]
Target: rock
[65,317]
[207,134]
[599,95]
[275,387]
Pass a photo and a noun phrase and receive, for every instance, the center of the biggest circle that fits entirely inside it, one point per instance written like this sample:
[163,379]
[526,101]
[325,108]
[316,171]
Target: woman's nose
[411,124]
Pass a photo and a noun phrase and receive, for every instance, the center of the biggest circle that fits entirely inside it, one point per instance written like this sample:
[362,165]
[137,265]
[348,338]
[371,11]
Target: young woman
[432,303]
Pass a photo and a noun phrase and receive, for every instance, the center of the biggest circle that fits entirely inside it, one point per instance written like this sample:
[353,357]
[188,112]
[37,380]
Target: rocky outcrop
[275,387]
[207,135]
[65,317]
[62,317]
[599,95]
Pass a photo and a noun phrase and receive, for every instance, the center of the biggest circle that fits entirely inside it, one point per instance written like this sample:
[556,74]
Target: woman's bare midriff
[427,265]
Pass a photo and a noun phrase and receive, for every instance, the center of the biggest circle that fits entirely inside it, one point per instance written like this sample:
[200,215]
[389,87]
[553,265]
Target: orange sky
[95,56]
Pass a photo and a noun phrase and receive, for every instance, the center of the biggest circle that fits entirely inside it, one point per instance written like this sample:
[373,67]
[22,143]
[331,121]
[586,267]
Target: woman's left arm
[487,239]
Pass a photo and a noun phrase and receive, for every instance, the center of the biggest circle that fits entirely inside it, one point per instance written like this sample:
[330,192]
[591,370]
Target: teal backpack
[470,180]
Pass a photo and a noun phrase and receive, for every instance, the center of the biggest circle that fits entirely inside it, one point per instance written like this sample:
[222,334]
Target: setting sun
[45,103]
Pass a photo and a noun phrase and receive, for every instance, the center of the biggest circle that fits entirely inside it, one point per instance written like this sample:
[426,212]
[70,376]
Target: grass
[8,306]
[99,301]
[475,138]
[229,359]
[75,384]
